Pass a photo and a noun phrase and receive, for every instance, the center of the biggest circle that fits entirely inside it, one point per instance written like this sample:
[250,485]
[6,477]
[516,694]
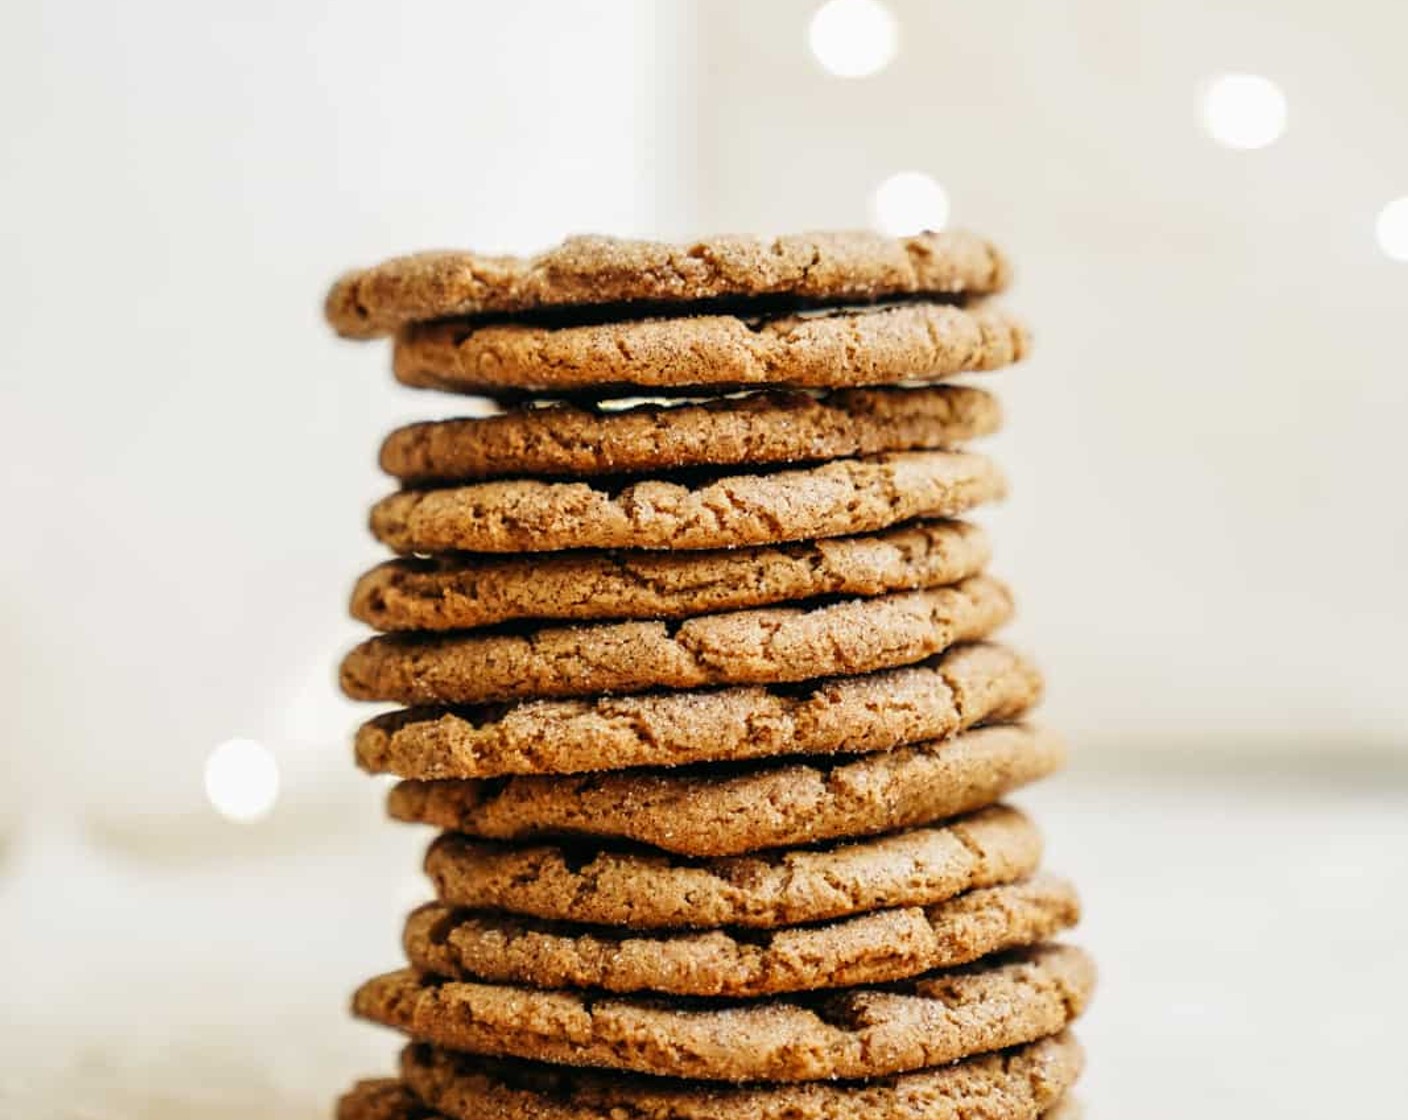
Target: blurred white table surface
[1252,934]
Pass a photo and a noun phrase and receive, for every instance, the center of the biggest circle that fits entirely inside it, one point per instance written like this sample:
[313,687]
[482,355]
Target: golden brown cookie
[480,1098]
[827,349]
[386,1098]
[940,1017]
[839,498]
[466,591]
[641,889]
[871,948]
[965,686]
[754,430]
[1018,1084]
[730,810]
[815,267]
[768,645]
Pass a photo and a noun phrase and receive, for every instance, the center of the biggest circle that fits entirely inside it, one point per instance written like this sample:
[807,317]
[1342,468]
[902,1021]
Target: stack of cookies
[698,682]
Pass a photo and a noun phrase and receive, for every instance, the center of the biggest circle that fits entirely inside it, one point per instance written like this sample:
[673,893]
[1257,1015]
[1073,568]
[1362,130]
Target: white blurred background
[1207,530]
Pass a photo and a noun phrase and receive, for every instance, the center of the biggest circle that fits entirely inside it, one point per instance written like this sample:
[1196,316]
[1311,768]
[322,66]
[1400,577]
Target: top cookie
[805,267]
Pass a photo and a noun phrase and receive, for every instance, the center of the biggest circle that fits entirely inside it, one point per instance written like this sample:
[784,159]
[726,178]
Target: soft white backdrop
[188,453]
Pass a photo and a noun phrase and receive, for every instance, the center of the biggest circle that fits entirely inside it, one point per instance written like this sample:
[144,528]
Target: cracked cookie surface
[644,889]
[464,591]
[964,686]
[870,948]
[768,645]
[835,348]
[729,810]
[839,498]
[1019,1084]
[758,429]
[939,1017]
[822,266]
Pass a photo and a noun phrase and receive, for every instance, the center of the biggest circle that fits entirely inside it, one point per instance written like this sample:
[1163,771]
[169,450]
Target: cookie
[768,645]
[833,348]
[936,1018]
[1018,1084]
[386,1098]
[872,948]
[728,811]
[641,889]
[839,498]
[965,686]
[464,592]
[477,1099]
[813,267]
[764,428]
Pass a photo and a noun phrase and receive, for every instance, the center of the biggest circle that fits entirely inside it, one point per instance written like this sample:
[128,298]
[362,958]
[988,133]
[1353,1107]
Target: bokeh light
[853,38]
[908,202]
[242,779]
[1244,111]
[1391,229]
